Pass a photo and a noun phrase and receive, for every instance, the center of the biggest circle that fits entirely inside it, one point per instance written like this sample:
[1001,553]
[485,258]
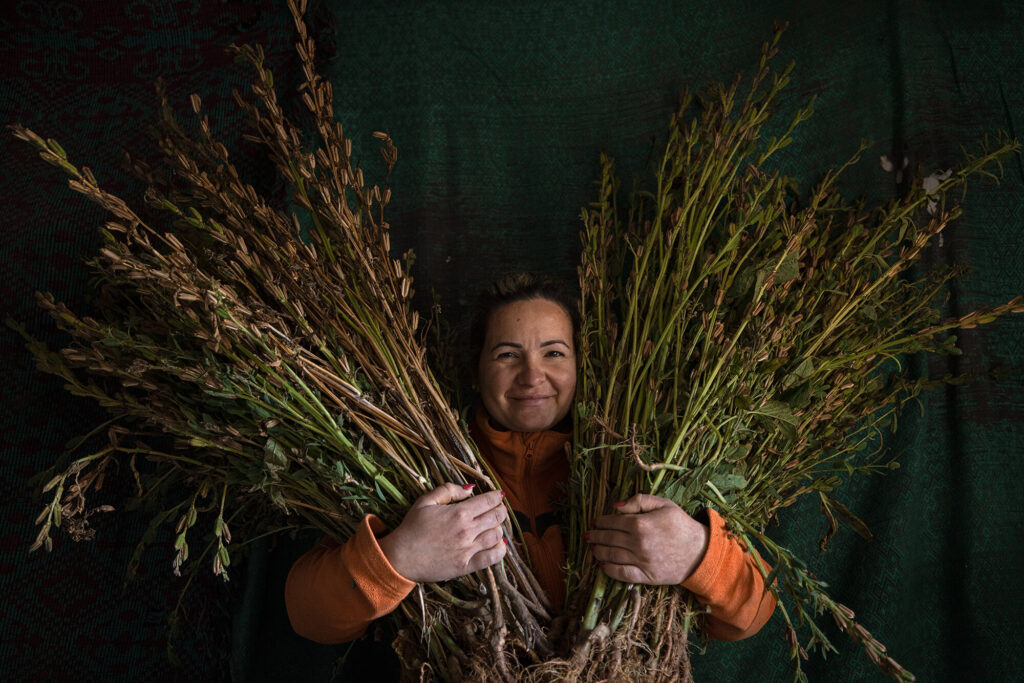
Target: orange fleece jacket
[334,591]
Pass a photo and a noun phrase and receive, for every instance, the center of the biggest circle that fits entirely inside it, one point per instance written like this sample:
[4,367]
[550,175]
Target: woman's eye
[555,354]
[506,354]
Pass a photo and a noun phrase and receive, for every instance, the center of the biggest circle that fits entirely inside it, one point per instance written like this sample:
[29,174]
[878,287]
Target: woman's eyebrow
[516,345]
[506,343]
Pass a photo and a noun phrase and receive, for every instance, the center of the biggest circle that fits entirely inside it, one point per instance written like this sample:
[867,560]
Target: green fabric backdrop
[499,114]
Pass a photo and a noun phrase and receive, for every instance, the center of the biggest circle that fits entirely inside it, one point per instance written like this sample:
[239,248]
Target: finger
[493,518]
[490,518]
[627,524]
[490,538]
[626,573]
[487,557]
[464,521]
[444,494]
[614,555]
[641,502]
[611,538]
[478,537]
[481,504]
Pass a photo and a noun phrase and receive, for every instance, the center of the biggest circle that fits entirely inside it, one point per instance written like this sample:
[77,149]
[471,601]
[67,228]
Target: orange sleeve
[334,591]
[728,582]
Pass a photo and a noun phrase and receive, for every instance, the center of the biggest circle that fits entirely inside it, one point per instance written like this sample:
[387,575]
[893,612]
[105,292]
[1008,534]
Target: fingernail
[586,536]
[502,494]
[468,486]
[618,505]
[505,538]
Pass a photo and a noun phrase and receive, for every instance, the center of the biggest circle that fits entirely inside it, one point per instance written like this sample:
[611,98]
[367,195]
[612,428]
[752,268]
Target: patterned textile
[499,115]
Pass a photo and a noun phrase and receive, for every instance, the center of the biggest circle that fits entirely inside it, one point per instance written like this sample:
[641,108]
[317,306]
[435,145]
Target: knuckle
[635,576]
[486,558]
[642,543]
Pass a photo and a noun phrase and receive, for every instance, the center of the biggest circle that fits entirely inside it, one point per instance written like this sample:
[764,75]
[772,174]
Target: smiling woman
[523,337]
[527,370]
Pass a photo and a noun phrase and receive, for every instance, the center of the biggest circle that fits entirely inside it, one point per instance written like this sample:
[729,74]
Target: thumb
[641,502]
[444,494]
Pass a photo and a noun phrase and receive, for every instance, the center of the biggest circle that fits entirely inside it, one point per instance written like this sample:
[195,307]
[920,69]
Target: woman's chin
[531,421]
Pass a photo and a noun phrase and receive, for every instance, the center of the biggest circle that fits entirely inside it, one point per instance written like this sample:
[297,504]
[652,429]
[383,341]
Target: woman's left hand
[648,540]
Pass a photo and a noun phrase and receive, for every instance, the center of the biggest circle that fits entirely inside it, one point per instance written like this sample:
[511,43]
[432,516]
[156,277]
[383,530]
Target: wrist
[700,537]
[391,549]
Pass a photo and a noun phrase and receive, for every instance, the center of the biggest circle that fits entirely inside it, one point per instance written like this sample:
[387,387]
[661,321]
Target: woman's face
[527,370]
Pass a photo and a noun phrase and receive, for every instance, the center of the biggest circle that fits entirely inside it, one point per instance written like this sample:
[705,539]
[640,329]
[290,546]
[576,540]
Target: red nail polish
[468,486]
[502,495]
[586,536]
[618,505]
[505,539]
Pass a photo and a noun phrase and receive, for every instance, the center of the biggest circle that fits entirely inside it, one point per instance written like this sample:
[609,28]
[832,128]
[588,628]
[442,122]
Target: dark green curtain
[499,114]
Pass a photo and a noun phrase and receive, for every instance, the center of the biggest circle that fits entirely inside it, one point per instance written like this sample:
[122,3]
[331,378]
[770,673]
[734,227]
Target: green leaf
[777,410]
[277,498]
[799,396]
[826,483]
[759,281]
[736,452]
[728,481]
[833,525]
[789,269]
[805,369]
[741,284]
[852,520]
[275,456]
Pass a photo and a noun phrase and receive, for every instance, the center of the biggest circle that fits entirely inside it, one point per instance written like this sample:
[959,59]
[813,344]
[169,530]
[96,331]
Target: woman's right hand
[441,538]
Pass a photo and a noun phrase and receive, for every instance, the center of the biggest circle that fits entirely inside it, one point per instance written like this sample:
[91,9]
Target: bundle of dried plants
[734,355]
[741,349]
[286,364]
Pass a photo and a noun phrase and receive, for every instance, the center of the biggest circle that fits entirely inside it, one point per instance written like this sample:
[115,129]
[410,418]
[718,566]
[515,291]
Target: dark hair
[519,287]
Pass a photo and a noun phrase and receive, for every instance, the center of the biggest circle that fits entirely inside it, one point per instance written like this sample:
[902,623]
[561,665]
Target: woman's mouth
[530,400]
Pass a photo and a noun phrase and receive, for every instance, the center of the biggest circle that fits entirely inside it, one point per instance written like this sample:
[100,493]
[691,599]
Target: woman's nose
[530,373]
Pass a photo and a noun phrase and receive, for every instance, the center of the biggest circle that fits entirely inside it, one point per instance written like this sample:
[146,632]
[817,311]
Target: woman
[523,337]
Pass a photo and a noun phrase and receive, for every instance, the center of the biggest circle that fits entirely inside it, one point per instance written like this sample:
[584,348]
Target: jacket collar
[508,452]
